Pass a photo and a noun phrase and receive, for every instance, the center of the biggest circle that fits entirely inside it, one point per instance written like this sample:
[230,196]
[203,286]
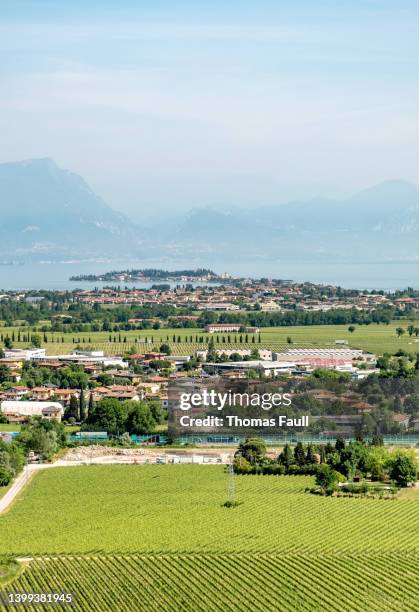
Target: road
[19,483]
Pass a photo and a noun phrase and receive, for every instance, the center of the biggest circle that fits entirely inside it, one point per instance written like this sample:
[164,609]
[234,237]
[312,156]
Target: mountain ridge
[49,212]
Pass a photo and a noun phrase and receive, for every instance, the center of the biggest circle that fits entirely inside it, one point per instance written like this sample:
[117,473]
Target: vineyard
[374,338]
[190,582]
[157,537]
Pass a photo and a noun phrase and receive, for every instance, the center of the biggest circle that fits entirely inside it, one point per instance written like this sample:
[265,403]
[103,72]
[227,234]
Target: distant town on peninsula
[200,274]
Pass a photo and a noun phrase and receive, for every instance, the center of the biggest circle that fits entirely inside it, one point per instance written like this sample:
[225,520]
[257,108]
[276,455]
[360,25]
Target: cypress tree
[91,404]
[299,454]
[73,411]
[310,454]
[82,405]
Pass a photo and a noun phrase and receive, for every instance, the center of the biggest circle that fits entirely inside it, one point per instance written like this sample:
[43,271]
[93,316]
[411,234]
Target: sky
[166,105]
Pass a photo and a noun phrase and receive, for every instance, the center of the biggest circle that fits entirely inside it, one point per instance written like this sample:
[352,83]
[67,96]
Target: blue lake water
[361,275]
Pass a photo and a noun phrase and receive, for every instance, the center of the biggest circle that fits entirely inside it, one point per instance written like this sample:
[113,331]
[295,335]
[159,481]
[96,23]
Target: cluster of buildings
[293,362]
[18,402]
[250,295]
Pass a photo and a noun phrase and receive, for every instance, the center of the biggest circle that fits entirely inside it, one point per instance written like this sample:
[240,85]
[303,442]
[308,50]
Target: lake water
[361,276]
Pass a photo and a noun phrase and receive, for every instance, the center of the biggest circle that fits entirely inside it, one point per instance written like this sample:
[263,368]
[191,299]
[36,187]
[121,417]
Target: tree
[157,411]
[72,412]
[12,457]
[38,439]
[327,479]
[36,341]
[91,403]
[5,373]
[351,329]
[403,470]
[411,330]
[310,454]
[5,476]
[377,440]
[139,420]
[376,462]
[165,348]
[340,443]
[286,457]
[82,405]
[241,465]
[108,415]
[8,343]
[252,449]
[399,331]
[160,364]
[299,454]
[105,379]
[211,353]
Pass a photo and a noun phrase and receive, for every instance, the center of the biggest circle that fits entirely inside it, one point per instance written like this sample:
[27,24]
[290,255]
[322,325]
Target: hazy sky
[170,103]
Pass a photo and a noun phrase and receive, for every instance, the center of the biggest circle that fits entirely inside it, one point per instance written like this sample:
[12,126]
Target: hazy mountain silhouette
[51,213]
[46,211]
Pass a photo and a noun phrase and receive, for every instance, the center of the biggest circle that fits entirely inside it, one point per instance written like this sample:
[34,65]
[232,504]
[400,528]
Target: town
[66,355]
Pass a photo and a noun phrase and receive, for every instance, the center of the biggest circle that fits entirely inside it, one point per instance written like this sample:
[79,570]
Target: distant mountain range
[50,213]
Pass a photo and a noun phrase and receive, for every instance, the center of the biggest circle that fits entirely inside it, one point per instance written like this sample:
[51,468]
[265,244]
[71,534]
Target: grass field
[374,338]
[158,538]
[10,427]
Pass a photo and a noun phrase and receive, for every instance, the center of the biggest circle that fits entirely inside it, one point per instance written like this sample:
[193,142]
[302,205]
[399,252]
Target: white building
[268,368]
[24,354]
[264,354]
[88,358]
[16,410]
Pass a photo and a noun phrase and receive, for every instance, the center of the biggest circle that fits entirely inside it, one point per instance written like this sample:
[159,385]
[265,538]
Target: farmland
[376,338]
[121,536]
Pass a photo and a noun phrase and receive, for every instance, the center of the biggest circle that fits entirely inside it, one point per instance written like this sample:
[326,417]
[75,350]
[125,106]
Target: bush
[273,469]
[327,479]
[5,476]
[403,470]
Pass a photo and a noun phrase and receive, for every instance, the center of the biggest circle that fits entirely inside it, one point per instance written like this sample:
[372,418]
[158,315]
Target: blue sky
[167,104]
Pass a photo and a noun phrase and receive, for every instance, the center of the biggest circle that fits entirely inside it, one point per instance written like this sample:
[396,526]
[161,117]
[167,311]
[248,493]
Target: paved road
[19,483]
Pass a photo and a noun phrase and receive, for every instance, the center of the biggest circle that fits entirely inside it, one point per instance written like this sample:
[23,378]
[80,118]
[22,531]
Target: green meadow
[376,338]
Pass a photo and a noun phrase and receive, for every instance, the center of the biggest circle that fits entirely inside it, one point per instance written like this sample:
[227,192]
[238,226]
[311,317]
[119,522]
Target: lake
[56,276]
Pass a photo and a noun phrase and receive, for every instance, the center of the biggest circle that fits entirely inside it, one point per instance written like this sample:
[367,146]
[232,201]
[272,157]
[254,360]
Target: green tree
[5,476]
[252,449]
[108,415]
[165,348]
[36,341]
[8,342]
[403,470]
[91,403]
[72,412]
[299,454]
[42,442]
[140,419]
[310,454]
[286,457]
[327,479]
[5,373]
[340,443]
[82,405]
[411,330]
